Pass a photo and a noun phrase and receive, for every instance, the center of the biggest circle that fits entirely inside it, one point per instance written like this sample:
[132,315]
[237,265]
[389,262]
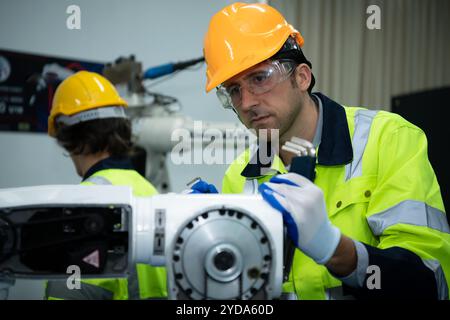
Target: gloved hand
[202,187]
[303,208]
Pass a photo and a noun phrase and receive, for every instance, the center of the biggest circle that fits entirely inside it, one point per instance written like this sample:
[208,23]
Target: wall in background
[359,66]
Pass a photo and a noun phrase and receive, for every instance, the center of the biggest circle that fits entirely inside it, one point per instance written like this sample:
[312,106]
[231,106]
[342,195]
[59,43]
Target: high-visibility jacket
[380,190]
[144,281]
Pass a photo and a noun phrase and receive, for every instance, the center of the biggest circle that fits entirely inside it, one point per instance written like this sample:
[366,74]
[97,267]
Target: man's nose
[248,100]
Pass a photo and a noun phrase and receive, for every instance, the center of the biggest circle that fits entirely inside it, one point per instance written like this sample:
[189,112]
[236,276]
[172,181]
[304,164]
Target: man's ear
[303,76]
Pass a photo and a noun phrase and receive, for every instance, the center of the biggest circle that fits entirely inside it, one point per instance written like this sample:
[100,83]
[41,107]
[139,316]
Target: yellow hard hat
[80,92]
[242,35]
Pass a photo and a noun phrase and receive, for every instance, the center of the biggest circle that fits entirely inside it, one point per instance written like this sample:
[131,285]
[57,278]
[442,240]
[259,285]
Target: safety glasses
[261,79]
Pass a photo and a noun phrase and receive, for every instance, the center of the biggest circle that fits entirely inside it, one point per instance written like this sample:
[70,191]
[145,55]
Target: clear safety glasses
[261,79]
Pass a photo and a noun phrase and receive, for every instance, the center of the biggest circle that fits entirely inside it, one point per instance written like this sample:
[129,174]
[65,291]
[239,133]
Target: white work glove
[304,212]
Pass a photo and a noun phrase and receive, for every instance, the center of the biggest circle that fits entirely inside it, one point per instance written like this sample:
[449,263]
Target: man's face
[275,109]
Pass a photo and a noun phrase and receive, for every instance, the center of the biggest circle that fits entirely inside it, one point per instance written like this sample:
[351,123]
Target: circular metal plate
[221,254]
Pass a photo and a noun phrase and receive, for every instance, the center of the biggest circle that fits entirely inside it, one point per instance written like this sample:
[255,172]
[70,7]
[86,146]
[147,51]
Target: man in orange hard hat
[372,225]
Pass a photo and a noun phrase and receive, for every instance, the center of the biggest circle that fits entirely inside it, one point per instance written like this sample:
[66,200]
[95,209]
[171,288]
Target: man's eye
[233,90]
[260,78]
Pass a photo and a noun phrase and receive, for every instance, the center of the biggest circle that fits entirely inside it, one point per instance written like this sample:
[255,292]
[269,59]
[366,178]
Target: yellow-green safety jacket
[144,281]
[381,191]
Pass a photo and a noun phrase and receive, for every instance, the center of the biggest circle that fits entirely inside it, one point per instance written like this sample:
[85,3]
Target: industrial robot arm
[213,246]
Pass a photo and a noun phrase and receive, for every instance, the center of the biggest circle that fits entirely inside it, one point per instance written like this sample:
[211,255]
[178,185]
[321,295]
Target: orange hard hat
[242,35]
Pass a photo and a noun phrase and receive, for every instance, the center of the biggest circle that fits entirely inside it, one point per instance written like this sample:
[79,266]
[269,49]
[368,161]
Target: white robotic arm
[213,246]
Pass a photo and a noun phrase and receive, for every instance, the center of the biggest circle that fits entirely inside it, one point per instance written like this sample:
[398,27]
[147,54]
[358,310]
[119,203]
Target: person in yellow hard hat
[372,224]
[88,120]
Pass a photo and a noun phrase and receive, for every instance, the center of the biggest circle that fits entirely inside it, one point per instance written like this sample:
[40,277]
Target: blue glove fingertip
[203,187]
[277,179]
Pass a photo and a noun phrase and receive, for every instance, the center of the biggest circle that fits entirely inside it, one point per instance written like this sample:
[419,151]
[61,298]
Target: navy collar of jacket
[335,147]
[109,163]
